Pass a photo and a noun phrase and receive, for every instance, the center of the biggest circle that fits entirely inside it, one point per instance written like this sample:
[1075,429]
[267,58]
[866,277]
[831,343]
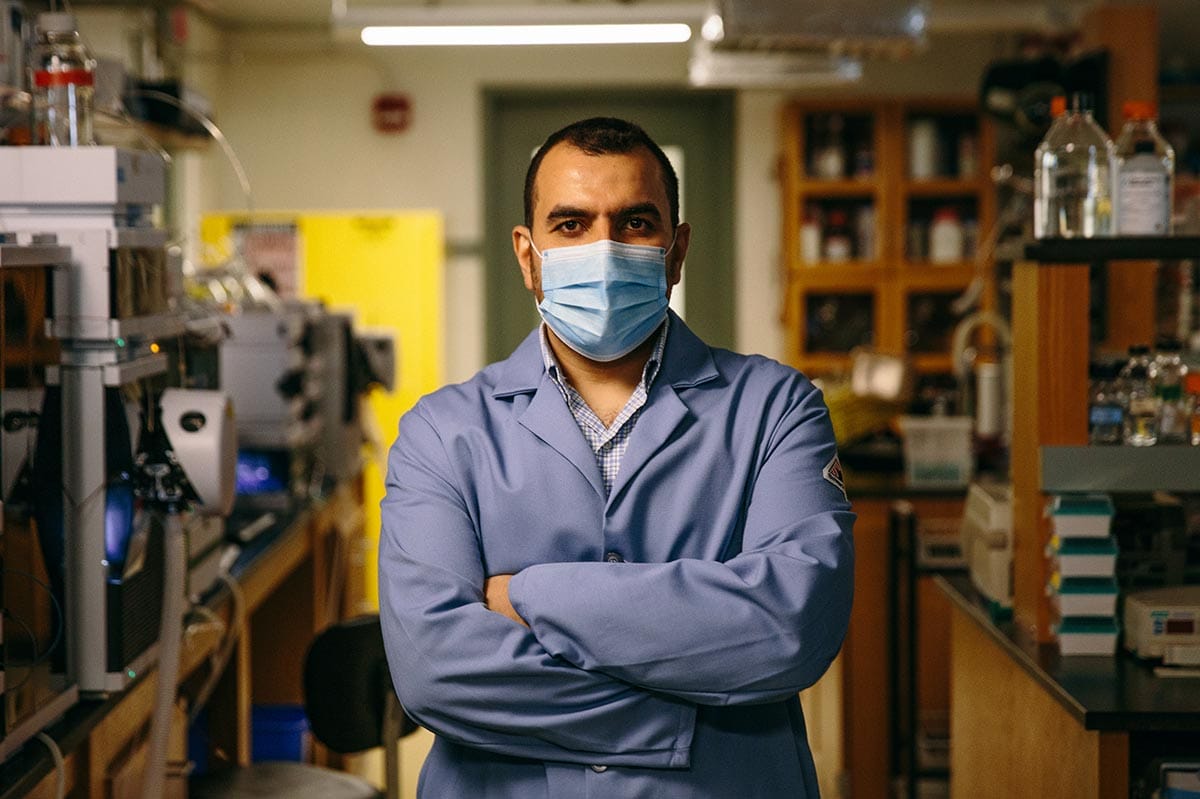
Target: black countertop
[891,484]
[1117,693]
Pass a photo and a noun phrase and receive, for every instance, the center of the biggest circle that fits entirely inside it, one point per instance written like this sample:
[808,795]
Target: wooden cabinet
[865,676]
[863,184]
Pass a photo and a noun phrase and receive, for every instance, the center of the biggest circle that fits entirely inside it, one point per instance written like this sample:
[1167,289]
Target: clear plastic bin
[937,450]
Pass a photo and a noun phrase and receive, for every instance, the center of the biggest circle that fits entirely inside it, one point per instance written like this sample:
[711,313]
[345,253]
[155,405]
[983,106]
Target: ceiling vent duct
[857,27]
[710,67]
[802,43]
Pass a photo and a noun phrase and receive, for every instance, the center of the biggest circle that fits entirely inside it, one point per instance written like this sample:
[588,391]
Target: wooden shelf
[937,276]
[823,363]
[1116,469]
[1117,248]
[944,187]
[856,274]
[891,278]
[927,363]
[816,189]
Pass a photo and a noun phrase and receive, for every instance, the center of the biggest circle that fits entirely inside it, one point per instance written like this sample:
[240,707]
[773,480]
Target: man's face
[580,198]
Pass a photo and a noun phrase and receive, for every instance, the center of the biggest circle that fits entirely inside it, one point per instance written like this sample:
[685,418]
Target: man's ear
[675,258]
[530,270]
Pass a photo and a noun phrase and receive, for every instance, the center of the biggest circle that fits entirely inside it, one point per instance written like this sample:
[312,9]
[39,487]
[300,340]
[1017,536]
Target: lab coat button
[614,557]
[599,769]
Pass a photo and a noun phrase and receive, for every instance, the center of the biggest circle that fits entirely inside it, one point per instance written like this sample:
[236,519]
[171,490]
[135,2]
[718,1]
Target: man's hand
[495,597]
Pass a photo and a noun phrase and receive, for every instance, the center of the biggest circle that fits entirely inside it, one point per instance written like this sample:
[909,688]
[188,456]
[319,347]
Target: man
[609,563]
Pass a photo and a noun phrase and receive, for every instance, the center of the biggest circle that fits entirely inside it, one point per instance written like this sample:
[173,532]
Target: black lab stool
[351,707]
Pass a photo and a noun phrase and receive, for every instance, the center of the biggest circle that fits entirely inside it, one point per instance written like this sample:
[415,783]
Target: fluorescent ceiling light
[425,35]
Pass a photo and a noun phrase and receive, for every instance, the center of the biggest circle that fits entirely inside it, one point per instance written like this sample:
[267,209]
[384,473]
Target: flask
[1145,174]
[946,237]
[1167,373]
[1142,418]
[1073,177]
[1106,405]
[1043,196]
[62,82]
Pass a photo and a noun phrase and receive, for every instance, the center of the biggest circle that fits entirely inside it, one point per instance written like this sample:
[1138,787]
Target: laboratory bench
[1026,721]
[300,573]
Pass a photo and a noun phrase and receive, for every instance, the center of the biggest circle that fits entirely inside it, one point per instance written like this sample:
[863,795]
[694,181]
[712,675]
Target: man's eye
[569,226]
[637,224]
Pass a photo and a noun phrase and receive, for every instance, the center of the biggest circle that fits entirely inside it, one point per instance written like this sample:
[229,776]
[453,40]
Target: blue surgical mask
[605,298]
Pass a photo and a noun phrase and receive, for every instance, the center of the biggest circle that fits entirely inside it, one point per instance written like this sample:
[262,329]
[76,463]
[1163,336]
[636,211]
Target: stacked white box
[1082,587]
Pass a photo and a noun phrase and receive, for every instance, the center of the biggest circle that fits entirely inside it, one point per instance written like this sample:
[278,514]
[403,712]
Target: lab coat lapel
[653,429]
[686,362]
[548,418]
[547,415]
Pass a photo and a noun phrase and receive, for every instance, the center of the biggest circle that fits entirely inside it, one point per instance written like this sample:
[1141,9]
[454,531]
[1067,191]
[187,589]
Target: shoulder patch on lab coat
[833,473]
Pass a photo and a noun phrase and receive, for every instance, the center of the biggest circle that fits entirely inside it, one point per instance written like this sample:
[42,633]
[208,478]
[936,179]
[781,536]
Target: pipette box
[1081,515]
[1083,557]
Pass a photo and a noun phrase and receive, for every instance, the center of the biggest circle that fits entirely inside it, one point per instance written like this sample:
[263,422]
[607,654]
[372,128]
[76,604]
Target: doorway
[694,128]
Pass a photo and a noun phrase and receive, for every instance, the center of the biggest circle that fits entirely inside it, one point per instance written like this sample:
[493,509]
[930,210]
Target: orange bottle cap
[1058,106]
[1138,109]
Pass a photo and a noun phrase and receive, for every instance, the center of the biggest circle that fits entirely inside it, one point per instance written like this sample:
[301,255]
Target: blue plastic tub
[279,732]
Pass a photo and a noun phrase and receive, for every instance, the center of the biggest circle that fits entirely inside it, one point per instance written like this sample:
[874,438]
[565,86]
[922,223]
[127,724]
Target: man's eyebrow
[572,212]
[566,212]
[641,209]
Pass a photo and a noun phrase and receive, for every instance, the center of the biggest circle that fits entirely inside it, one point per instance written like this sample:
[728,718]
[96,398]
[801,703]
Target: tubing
[170,638]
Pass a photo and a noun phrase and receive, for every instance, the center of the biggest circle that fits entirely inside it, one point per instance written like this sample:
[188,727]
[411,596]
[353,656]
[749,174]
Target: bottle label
[1105,415]
[43,79]
[1143,406]
[1142,203]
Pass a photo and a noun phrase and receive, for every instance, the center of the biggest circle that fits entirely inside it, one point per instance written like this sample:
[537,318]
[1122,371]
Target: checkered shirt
[608,443]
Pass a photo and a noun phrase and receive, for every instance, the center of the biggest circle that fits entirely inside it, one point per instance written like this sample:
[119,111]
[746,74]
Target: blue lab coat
[671,623]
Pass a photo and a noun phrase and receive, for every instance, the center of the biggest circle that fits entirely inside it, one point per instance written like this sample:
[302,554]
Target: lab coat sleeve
[474,676]
[757,627]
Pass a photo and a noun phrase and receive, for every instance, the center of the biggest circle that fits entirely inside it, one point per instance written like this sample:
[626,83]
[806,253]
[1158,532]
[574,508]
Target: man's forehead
[565,156]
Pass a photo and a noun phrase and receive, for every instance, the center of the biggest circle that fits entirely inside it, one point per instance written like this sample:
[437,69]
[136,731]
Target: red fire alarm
[391,113]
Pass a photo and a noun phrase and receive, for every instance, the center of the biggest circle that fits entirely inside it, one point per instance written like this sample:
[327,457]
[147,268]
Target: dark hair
[603,136]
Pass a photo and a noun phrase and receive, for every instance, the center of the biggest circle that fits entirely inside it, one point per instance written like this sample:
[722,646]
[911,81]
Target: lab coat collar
[687,362]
